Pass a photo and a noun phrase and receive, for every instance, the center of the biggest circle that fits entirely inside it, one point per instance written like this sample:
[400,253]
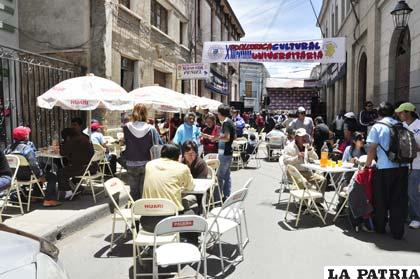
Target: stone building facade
[216,21]
[134,42]
[383,63]
[9,30]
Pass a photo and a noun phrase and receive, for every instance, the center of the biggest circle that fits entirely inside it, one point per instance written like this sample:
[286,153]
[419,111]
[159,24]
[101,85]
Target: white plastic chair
[142,238]
[178,253]
[14,163]
[236,155]
[218,225]
[285,182]
[214,164]
[115,188]
[303,193]
[275,144]
[103,163]
[254,156]
[89,178]
[211,156]
[33,180]
[236,213]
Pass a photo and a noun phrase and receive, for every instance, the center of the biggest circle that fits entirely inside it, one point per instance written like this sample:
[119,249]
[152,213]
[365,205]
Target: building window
[343,10]
[248,88]
[183,33]
[127,74]
[159,16]
[162,79]
[125,3]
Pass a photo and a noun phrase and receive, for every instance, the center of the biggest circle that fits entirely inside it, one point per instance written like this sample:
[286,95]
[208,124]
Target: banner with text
[328,50]
[193,71]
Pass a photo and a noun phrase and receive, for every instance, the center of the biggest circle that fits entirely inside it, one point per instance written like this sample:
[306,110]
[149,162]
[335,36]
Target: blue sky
[278,20]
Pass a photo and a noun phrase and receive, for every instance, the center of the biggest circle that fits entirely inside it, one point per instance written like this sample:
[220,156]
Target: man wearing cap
[407,114]
[294,154]
[22,146]
[302,121]
[96,137]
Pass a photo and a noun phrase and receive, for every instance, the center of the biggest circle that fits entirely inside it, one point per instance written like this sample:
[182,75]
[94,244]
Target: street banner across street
[193,71]
[327,50]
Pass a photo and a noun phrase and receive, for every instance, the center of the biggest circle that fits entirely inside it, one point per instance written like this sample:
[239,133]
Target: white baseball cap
[301,109]
[301,132]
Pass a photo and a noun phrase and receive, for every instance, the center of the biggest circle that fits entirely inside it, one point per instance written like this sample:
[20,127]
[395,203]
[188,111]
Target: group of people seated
[77,151]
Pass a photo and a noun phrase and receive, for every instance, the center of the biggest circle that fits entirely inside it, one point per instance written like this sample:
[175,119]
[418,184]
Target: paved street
[274,249]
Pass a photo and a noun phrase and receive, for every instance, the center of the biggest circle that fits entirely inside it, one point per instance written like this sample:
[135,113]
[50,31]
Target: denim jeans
[136,181]
[223,174]
[414,194]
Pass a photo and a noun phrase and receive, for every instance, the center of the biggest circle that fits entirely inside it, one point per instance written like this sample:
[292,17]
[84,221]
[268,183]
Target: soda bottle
[324,156]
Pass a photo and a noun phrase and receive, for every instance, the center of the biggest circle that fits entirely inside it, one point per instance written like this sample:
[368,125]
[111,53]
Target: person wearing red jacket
[209,133]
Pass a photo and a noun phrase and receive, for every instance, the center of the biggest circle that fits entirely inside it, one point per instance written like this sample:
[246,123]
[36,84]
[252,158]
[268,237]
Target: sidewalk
[58,222]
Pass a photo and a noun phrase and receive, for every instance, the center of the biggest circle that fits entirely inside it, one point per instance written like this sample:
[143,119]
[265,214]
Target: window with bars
[159,16]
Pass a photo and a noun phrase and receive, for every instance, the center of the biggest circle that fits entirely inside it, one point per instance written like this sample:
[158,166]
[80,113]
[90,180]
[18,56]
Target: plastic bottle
[324,156]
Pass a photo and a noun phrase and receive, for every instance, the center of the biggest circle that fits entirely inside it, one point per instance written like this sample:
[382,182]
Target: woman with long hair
[139,137]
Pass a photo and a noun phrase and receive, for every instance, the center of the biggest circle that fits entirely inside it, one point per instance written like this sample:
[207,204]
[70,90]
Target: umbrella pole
[89,119]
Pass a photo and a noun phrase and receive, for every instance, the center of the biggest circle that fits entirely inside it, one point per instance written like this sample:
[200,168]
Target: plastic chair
[33,180]
[142,238]
[304,194]
[214,165]
[284,179]
[115,188]
[236,213]
[14,163]
[178,253]
[236,155]
[211,156]
[103,163]
[89,178]
[254,156]
[218,225]
[275,144]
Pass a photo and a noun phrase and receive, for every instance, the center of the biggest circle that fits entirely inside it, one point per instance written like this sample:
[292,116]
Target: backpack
[402,146]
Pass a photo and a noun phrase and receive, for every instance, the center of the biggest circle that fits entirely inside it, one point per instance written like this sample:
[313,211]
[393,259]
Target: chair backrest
[213,163]
[109,139]
[98,148]
[184,223]
[97,156]
[237,196]
[22,160]
[114,188]
[14,163]
[276,140]
[211,156]
[297,177]
[154,207]
[211,173]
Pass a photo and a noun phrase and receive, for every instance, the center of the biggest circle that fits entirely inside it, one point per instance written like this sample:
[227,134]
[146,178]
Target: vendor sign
[328,50]
[193,71]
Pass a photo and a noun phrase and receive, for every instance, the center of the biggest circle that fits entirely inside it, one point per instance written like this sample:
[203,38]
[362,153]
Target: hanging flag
[328,50]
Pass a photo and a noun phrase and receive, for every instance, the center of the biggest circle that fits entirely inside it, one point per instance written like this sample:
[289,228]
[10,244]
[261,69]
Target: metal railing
[23,77]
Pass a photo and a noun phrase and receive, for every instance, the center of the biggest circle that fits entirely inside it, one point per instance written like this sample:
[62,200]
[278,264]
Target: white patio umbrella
[194,101]
[160,99]
[86,93]
[210,104]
